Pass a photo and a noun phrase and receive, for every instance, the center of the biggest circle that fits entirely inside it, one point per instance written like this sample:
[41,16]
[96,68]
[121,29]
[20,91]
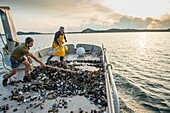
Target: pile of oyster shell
[51,83]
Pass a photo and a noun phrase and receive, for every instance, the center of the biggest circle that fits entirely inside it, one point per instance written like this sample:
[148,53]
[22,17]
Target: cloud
[127,22]
[161,23]
[116,20]
[40,13]
[75,15]
[99,22]
[59,6]
[133,22]
[165,20]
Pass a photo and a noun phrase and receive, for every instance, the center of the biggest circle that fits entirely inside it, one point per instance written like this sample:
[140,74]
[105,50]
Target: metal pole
[114,89]
[108,89]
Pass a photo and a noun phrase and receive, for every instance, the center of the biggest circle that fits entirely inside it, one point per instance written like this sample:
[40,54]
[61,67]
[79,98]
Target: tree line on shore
[89,30]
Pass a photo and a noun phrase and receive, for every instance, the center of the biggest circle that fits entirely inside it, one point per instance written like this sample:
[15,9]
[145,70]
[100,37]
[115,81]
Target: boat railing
[111,90]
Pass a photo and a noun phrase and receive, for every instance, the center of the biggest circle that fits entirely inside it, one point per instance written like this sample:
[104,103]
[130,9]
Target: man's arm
[56,36]
[65,38]
[36,59]
[29,59]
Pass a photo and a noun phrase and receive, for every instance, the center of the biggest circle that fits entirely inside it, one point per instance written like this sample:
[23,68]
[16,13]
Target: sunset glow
[140,8]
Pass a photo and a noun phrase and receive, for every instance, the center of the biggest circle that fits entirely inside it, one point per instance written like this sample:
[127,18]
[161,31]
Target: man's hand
[60,45]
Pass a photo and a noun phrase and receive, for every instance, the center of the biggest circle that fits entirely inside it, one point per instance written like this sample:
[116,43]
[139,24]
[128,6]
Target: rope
[3,55]
[2,39]
[3,62]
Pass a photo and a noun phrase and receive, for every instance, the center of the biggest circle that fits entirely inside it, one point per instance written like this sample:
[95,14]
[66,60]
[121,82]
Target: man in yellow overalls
[58,44]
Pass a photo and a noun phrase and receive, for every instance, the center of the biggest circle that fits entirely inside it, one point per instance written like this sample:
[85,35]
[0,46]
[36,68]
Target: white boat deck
[75,104]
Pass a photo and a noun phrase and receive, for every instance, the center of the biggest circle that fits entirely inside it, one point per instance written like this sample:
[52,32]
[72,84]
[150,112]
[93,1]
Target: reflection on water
[142,40]
[141,66]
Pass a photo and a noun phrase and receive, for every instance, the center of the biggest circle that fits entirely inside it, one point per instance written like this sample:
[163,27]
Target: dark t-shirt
[19,52]
[57,35]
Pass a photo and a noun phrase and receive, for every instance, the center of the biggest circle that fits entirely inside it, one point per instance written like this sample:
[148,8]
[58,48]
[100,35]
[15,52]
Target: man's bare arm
[36,59]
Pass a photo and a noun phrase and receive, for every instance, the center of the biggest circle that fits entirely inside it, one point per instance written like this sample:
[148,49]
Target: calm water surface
[141,66]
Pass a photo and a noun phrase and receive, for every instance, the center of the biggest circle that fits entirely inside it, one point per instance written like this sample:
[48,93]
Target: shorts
[16,63]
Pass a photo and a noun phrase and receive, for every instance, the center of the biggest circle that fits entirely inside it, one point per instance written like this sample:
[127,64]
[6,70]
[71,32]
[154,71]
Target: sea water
[141,66]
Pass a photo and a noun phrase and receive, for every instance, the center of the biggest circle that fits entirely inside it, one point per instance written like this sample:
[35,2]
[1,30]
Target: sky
[77,15]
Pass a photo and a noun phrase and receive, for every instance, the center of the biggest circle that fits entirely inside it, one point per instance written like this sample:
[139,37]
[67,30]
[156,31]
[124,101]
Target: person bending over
[18,56]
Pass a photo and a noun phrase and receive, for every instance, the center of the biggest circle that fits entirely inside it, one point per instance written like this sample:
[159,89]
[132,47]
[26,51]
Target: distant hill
[88,30]
[27,33]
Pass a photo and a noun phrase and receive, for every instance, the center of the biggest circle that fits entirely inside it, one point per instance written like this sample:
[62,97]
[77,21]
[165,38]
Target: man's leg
[27,68]
[61,58]
[49,58]
[5,80]
[62,61]
[14,65]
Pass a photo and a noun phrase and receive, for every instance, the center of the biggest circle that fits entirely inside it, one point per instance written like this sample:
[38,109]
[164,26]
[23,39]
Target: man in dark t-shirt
[18,57]
[19,52]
